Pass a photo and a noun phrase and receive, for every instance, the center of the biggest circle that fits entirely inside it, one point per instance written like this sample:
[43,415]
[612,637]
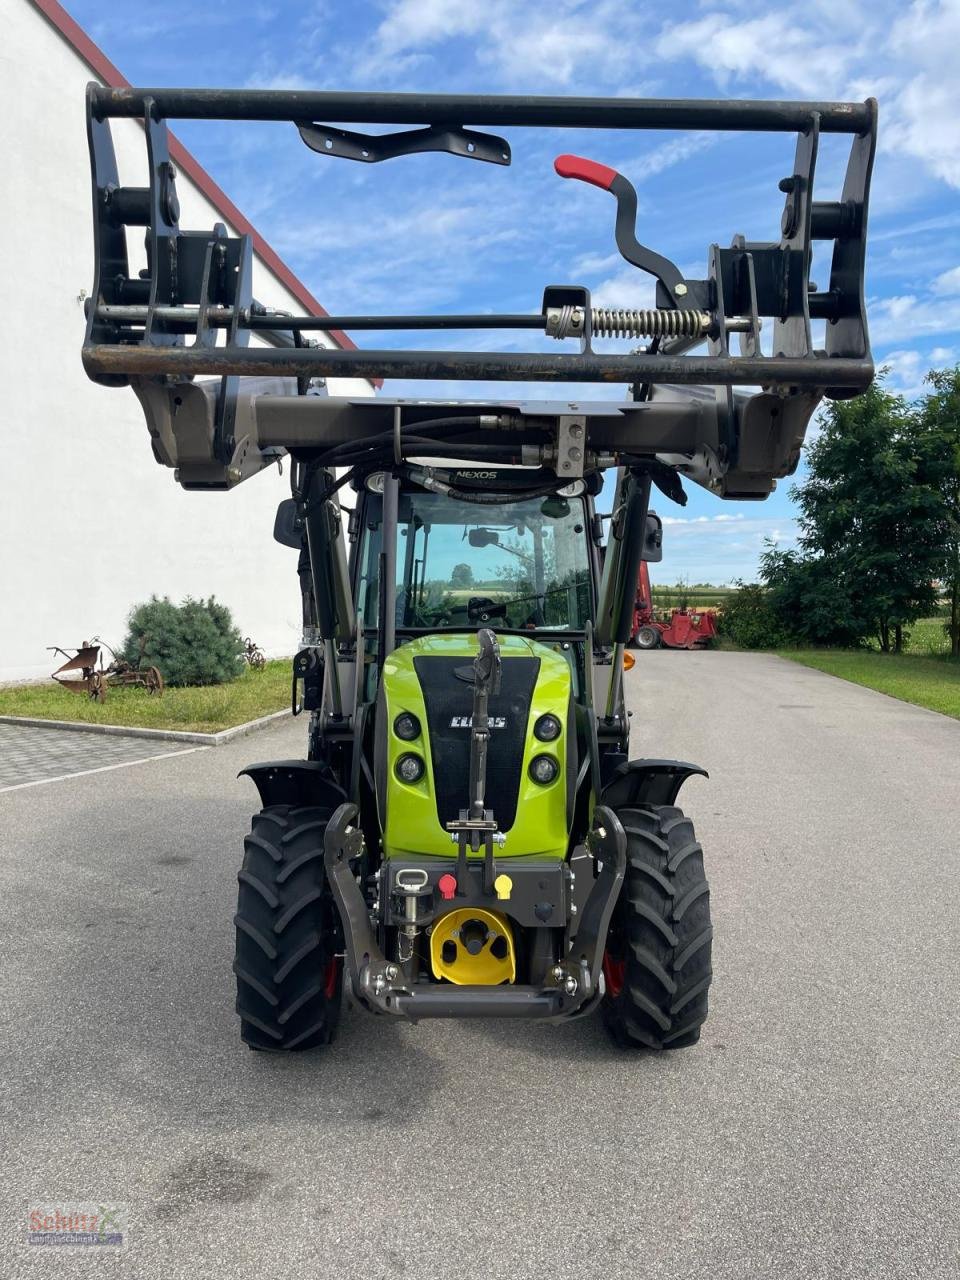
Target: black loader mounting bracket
[219,409]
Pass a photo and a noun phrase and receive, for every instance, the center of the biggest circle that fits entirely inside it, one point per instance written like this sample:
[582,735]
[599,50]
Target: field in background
[694,597]
[192,710]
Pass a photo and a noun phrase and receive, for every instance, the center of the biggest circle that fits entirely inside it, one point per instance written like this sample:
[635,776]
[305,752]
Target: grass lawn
[206,710]
[928,682]
[928,637]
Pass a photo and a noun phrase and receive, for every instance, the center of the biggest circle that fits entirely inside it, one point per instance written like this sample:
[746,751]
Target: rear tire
[648,638]
[657,962]
[288,963]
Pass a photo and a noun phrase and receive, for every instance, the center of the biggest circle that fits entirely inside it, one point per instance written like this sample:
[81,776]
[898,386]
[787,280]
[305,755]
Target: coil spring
[611,322]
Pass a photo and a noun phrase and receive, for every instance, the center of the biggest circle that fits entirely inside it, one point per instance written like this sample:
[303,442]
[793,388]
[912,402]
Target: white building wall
[89,523]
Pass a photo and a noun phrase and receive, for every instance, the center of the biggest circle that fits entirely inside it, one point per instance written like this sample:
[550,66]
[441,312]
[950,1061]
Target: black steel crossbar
[327,362]
[458,109]
[186,318]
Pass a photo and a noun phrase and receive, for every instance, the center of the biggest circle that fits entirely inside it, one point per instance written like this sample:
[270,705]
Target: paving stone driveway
[29,754]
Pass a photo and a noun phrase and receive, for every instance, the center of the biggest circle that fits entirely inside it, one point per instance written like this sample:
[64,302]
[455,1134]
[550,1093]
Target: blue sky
[433,233]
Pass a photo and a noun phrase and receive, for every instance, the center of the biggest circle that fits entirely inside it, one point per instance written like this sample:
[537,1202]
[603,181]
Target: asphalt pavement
[812,1133]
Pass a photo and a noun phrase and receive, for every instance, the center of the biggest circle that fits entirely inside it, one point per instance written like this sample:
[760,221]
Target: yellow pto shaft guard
[473,947]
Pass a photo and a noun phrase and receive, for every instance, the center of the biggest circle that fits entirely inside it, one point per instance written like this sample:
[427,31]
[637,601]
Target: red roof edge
[104,69]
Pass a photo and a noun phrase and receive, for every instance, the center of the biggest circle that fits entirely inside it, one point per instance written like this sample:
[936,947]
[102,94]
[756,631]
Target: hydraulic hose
[421,429]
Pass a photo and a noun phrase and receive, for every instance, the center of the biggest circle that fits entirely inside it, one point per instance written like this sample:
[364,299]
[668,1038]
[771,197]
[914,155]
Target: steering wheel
[482,609]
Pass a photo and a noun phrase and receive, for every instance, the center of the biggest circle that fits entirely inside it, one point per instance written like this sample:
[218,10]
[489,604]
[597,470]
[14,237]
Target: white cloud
[525,43]
[894,320]
[671,153]
[719,548]
[270,79]
[904,55]
[625,288]
[909,367]
[922,226]
[721,519]
[555,45]
[777,47]
[591,263]
[411,24]
[923,116]
[948,282]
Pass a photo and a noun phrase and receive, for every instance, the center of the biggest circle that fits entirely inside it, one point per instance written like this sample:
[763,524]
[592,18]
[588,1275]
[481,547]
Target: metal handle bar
[439,109]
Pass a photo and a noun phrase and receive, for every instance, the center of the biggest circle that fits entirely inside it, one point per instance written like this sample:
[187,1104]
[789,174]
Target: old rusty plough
[94,677]
[253,655]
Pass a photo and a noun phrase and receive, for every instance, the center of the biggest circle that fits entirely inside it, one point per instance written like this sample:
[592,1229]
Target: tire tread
[661,931]
[288,933]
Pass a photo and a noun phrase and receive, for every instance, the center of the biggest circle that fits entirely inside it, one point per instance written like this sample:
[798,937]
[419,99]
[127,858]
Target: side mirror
[288,526]
[653,539]
[483,537]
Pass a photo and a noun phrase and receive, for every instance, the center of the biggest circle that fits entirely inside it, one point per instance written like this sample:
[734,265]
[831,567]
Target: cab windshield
[521,565]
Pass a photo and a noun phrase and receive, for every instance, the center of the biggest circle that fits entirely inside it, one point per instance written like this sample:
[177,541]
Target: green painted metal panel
[412,825]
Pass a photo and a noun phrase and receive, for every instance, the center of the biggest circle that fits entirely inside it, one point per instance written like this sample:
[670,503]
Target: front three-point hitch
[571,986]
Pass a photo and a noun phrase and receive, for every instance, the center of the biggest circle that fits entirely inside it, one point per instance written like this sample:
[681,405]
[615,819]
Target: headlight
[409,768]
[547,728]
[406,726]
[375,481]
[543,769]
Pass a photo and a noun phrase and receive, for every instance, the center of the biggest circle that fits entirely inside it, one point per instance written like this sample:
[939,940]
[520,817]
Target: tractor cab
[524,563]
[521,566]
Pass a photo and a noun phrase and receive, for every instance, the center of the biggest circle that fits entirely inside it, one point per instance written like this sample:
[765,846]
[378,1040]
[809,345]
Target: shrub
[192,643]
[749,619]
[799,601]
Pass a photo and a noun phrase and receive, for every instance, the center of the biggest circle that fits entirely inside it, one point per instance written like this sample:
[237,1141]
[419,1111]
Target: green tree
[872,513]
[940,414]
[462,576]
[807,600]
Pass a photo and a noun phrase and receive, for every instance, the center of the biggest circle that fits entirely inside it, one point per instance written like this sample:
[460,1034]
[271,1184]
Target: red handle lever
[599,175]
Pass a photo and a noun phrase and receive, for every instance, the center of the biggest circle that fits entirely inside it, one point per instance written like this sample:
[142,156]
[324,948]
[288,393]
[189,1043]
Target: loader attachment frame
[191,313]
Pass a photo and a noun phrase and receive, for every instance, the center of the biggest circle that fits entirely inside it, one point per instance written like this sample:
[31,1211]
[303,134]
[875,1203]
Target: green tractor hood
[430,679]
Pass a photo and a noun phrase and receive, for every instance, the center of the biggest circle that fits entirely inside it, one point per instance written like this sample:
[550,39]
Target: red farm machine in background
[686,629]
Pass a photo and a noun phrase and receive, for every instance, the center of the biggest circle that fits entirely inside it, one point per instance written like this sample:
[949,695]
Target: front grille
[449,700]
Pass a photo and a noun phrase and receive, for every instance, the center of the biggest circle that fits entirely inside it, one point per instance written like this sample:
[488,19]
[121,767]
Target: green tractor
[467,835]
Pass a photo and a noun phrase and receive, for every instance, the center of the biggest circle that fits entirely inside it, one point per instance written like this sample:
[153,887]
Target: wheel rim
[330,982]
[614,973]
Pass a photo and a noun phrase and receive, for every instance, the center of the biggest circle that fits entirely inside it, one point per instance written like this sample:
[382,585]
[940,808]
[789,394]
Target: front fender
[296,782]
[647,782]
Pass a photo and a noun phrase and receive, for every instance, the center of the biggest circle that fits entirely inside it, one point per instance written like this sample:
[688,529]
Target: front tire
[288,963]
[648,638]
[657,962]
